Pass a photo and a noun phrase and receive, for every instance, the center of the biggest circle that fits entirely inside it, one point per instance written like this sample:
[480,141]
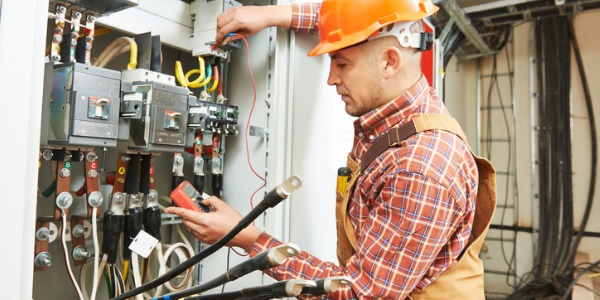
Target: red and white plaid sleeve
[305,17]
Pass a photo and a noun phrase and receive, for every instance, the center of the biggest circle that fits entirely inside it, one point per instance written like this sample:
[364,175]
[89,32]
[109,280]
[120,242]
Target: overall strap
[396,135]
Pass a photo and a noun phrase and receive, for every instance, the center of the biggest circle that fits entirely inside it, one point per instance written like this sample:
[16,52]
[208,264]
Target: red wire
[248,123]
[252,108]
[240,254]
[220,87]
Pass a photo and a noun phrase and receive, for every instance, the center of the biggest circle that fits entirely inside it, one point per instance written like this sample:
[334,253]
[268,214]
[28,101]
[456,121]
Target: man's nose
[332,79]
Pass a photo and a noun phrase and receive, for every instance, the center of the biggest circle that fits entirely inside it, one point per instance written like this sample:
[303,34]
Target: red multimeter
[184,196]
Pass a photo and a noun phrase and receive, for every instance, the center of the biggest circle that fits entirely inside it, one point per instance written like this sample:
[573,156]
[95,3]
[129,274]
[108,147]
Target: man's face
[356,78]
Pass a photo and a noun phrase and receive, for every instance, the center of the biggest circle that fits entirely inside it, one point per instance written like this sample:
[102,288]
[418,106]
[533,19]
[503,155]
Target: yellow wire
[133,50]
[196,83]
[200,71]
[125,269]
[179,74]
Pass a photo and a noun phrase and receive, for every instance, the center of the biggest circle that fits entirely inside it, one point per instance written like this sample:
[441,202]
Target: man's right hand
[248,20]
[210,227]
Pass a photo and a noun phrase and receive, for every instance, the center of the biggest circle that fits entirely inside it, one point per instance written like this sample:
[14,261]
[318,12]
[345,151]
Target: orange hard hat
[343,23]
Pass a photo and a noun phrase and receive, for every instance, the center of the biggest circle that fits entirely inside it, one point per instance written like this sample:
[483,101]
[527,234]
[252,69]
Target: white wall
[21,65]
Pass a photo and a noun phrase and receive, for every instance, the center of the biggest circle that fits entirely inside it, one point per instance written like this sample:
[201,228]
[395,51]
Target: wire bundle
[554,273]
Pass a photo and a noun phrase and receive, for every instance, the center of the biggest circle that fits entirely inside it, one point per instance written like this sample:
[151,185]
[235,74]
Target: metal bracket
[259,132]
[464,23]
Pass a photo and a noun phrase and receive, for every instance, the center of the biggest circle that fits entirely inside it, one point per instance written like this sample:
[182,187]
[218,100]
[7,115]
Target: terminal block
[154,114]
[211,116]
[96,6]
[80,105]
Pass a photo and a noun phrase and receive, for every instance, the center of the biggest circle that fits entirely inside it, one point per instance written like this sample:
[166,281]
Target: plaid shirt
[305,17]
[412,208]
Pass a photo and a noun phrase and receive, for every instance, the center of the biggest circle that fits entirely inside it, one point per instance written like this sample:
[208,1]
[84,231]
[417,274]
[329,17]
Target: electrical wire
[494,85]
[271,199]
[116,48]
[83,281]
[215,80]
[96,251]
[228,256]
[593,137]
[125,269]
[66,252]
[183,256]
[253,104]
[107,278]
[96,277]
[161,270]
[554,273]
[137,277]
[204,75]
[247,131]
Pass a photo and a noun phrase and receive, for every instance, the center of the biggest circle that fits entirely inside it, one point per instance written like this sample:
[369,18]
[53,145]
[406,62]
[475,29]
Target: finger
[184,213]
[215,202]
[173,210]
[231,27]
[225,17]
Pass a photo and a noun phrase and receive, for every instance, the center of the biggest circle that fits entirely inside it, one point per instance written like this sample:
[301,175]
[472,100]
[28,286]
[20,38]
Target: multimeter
[185,195]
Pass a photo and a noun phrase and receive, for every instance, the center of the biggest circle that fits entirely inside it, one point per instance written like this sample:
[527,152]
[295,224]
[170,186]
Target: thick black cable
[539,29]
[260,262]
[270,200]
[593,137]
[275,290]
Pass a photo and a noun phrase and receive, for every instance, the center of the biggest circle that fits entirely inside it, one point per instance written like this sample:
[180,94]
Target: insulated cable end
[288,186]
[331,284]
[280,253]
[294,286]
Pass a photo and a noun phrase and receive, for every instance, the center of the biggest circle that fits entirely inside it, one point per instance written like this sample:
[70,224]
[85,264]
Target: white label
[143,244]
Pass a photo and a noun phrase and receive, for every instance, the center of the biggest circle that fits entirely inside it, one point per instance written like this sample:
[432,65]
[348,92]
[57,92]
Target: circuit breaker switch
[98,108]
[172,120]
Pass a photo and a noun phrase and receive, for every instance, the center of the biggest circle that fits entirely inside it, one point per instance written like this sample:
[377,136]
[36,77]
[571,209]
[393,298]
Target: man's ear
[392,56]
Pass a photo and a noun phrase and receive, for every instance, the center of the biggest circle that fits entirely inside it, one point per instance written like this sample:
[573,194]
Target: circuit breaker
[155,114]
[81,105]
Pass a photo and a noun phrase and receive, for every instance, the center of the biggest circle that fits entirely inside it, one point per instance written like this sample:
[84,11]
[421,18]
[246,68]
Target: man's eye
[341,66]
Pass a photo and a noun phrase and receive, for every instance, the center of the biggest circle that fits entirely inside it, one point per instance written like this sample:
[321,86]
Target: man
[407,225]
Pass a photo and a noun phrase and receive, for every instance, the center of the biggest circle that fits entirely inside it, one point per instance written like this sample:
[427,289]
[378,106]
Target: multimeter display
[185,196]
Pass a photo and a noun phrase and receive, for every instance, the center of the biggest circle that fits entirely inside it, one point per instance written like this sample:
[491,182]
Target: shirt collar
[395,112]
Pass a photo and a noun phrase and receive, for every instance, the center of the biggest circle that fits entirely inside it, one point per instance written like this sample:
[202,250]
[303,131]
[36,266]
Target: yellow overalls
[465,279]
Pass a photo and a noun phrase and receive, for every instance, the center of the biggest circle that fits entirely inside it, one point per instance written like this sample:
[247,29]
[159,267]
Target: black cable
[593,136]
[276,290]
[274,197]
[228,256]
[262,261]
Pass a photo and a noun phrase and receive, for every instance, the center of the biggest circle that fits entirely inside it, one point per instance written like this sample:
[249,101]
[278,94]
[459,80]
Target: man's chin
[352,112]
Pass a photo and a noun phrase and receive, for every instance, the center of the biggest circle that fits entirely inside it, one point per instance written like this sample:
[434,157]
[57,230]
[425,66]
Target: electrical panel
[136,113]
[81,105]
